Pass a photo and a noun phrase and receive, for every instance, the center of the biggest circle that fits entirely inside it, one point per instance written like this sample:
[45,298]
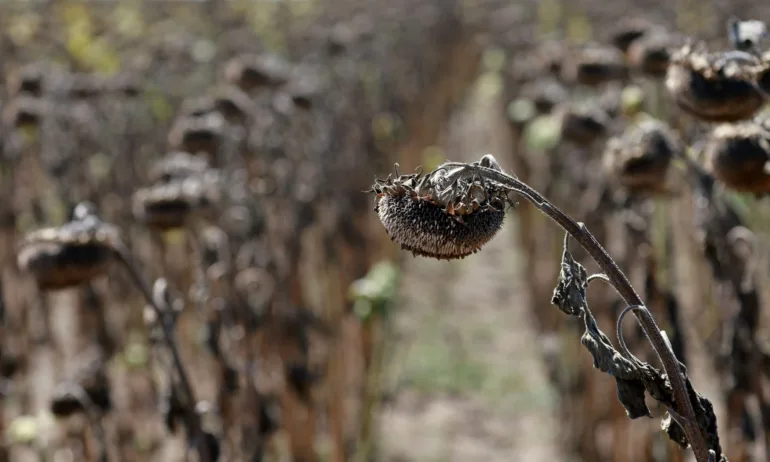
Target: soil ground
[468,383]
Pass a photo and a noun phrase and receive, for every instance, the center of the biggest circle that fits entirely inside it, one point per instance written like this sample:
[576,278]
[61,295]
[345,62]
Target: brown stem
[618,280]
[193,419]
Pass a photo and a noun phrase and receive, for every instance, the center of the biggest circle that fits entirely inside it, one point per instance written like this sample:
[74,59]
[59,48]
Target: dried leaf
[629,376]
[570,292]
[633,377]
[631,395]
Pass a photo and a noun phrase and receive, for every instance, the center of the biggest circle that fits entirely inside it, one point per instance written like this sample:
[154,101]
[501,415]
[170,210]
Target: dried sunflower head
[628,30]
[24,111]
[196,106]
[233,103]
[546,93]
[714,87]
[640,158]
[69,255]
[583,123]
[88,381]
[178,165]
[738,156]
[594,65]
[549,57]
[198,134]
[125,84]
[84,86]
[340,38]
[29,80]
[651,54]
[65,401]
[435,216]
[170,205]
[303,90]
[250,72]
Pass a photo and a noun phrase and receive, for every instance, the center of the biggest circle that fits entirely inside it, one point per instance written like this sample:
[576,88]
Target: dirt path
[469,385]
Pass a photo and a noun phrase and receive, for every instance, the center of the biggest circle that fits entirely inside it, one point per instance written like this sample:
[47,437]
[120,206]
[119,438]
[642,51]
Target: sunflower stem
[617,279]
[192,420]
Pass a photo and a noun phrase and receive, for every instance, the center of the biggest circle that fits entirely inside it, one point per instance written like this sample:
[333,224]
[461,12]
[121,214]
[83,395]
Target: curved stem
[597,277]
[193,419]
[616,278]
[622,341]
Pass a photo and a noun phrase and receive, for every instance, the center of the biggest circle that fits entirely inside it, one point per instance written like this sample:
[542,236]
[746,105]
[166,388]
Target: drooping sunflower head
[442,214]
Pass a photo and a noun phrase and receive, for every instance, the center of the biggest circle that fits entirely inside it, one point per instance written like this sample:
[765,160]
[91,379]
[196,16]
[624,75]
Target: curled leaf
[629,375]
[633,377]
[570,292]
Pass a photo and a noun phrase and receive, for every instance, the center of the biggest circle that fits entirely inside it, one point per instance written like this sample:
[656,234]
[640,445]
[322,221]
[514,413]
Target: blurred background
[230,143]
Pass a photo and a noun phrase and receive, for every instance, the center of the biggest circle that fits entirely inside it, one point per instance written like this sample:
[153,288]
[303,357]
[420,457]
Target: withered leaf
[570,292]
[674,431]
[570,297]
[631,395]
[629,375]
[632,376]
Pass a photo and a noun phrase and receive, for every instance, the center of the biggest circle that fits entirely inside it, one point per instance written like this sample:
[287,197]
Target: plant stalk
[617,279]
[193,419]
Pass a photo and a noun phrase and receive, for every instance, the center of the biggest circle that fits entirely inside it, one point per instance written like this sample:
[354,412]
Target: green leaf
[543,133]
[363,308]
[136,355]
[23,429]
[374,292]
[493,59]
[521,110]
[632,99]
